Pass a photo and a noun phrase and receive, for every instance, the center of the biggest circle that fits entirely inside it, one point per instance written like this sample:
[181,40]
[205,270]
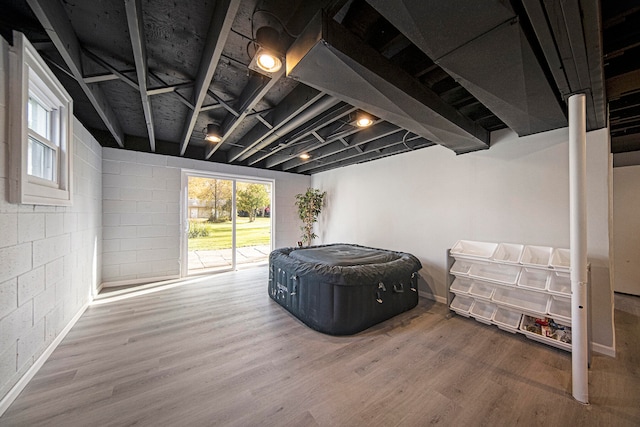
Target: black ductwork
[482,45]
[329,58]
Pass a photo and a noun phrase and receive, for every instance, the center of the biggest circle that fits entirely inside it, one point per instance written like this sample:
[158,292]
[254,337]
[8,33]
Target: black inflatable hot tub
[342,289]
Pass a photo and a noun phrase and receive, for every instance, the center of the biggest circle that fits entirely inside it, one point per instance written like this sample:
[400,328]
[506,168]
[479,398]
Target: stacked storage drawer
[518,288]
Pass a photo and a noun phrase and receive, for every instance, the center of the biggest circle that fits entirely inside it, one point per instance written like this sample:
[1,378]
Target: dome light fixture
[213,133]
[364,120]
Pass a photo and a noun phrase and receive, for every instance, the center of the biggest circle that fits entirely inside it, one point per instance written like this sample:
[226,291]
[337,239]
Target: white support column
[578,239]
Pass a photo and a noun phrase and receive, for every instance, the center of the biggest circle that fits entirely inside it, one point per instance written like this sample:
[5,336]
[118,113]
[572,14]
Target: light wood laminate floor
[220,352]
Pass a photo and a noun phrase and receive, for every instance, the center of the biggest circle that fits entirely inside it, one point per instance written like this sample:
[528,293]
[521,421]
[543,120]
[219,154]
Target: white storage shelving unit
[510,285]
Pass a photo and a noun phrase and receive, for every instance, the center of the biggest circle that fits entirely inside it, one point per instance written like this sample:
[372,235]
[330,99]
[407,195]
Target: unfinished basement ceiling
[150,75]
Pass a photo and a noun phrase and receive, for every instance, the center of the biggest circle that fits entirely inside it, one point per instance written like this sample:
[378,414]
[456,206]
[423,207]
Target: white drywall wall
[517,191]
[626,226]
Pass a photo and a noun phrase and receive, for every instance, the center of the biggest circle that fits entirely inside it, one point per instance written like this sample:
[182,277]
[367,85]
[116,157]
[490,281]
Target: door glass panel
[210,238]
[253,222]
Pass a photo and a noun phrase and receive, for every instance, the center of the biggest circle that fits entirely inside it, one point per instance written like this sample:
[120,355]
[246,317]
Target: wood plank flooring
[220,352]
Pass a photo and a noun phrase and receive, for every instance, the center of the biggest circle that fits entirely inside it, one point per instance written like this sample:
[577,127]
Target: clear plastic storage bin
[507,319]
[561,259]
[461,267]
[533,278]
[470,249]
[560,308]
[461,285]
[538,256]
[508,253]
[482,290]
[560,283]
[520,299]
[461,305]
[500,273]
[483,311]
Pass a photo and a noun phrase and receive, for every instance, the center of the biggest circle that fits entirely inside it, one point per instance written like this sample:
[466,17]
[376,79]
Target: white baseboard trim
[13,393]
[603,349]
[142,280]
[435,298]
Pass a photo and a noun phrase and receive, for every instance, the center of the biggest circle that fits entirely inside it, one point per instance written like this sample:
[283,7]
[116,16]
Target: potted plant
[309,207]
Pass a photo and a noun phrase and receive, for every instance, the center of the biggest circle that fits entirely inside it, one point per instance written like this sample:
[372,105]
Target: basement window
[40,118]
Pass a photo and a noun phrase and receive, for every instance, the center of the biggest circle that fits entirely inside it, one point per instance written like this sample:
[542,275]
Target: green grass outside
[247,234]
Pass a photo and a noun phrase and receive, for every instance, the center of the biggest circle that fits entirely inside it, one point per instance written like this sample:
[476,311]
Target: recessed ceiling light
[364,120]
[268,61]
[213,133]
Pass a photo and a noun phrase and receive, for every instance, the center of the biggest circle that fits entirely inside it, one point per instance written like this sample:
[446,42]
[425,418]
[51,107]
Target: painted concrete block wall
[518,191]
[141,211]
[626,226]
[49,256]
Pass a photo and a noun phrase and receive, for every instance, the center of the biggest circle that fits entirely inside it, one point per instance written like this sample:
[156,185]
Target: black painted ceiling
[149,75]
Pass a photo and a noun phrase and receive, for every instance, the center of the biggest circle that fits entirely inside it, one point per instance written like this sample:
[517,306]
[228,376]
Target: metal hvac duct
[483,47]
[328,57]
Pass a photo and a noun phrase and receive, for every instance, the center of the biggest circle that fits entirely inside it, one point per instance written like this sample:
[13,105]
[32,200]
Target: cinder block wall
[141,204]
[141,216]
[49,256]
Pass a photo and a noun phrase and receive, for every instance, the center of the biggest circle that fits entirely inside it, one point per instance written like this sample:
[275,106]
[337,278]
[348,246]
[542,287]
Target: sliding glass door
[227,223]
[253,222]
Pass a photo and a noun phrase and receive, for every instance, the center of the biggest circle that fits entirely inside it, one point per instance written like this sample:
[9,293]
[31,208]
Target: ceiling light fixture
[268,62]
[363,120]
[305,156]
[213,133]
[268,58]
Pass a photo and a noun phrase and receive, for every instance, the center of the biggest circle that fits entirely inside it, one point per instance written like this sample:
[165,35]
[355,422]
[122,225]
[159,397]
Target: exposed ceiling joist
[223,103]
[99,78]
[252,94]
[375,154]
[379,131]
[168,88]
[444,49]
[356,151]
[53,18]
[324,120]
[219,29]
[324,107]
[257,138]
[136,26]
[537,15]
[324,123]
[336,141]
[123,77]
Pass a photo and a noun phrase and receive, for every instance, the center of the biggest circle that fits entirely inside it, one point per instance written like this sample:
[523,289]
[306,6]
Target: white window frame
[29,73]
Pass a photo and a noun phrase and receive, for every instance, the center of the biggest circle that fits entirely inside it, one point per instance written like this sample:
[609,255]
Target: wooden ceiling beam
[294,104]
[56,23]
[252,94]
[223,15]
[134,21]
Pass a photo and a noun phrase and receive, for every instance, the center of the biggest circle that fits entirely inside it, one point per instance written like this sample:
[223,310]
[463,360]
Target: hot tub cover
[342,288]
